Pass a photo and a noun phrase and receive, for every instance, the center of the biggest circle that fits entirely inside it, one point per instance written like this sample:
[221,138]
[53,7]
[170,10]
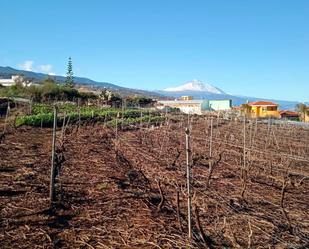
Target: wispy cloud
[28,65]
[46,69]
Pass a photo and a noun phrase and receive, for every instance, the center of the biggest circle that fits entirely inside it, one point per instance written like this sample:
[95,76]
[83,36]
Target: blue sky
[254,48]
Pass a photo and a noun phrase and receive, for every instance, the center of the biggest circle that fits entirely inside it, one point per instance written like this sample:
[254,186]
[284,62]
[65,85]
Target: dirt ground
[129,190]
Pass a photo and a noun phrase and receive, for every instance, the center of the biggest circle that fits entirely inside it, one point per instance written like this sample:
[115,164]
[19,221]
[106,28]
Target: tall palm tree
[302,109]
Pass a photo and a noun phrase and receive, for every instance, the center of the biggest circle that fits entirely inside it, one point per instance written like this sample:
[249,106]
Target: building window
[272,108]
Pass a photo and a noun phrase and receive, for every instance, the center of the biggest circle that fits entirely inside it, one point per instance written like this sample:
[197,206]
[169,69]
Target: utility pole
[188,163]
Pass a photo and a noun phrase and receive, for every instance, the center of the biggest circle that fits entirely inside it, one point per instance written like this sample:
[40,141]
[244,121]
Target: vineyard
[121,181]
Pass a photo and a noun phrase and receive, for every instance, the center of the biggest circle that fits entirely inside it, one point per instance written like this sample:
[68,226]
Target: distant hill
[200,90]
[195,88]
[7,72]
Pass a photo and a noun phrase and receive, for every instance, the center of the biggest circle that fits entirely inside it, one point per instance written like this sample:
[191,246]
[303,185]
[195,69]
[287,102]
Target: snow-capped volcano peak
[195,85]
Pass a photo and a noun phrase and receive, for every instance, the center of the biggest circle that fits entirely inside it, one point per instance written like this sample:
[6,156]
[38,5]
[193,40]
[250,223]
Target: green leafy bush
[42,114]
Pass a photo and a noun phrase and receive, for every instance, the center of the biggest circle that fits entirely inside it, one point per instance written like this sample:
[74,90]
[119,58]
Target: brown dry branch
[161,196]
[212,164]
[285,184]
[206,239]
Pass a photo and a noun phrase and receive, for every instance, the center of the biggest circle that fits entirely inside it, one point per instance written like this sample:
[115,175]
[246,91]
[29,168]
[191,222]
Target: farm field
[127,188]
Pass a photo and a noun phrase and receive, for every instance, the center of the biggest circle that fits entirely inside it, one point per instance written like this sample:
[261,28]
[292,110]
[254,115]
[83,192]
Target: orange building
[263,109]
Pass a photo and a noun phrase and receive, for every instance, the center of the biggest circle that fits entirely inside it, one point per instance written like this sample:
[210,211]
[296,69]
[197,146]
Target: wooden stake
[178,209]
[255,129]
[6,117]
[78,104]
[206,130]
[116,131]
[268,134]
[141,118]
[188,152]
[79,118]
[149,118]
[53,168]
[30,107]
[63,126]
[210,140]
[122,113]
[244,156]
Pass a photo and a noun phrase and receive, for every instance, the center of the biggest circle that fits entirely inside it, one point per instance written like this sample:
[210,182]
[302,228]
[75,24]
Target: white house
[195,106]
[13,80]
[186,106]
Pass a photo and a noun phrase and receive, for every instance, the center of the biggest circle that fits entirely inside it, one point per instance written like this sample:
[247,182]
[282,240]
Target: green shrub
[46,119]
[42,114]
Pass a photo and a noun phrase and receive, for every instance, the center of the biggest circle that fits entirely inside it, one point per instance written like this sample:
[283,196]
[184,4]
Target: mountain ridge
[195,85]
[7,72]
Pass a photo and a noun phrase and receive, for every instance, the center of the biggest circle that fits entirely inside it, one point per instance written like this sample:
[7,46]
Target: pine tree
[69,80]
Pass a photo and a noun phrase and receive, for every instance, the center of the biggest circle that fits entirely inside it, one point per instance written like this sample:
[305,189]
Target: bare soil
[121,192]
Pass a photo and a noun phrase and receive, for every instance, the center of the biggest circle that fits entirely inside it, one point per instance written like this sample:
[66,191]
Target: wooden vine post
[8,110]
[210,140]
[63,126]
[30,106]
[244,143]
[53,166]
[79,114]
[141,119]
[116,128]
[188,155]
[122,112]
[149,118]
[244,169]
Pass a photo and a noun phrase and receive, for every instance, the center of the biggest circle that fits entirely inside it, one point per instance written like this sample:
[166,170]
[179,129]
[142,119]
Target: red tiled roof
[288,113]
[262,103]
